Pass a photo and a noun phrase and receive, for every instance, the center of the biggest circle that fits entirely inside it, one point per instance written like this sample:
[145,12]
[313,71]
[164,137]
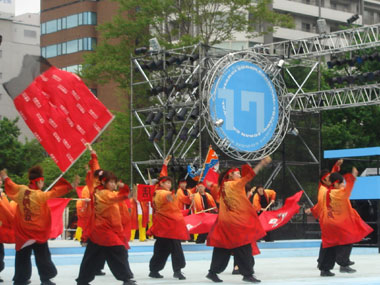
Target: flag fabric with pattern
[211,161]
[58,108]
[200,223]
[271,220]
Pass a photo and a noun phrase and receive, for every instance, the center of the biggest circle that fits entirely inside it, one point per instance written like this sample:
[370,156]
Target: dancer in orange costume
[33,224]
[169,229]
[237,226]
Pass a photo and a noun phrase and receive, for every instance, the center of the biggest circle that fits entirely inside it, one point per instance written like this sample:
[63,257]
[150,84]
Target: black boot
[155,275]
[327,273]
[129,282]
[346,269]
[47,282]
[100,273]
[179,275]
[251,278]
[214,277]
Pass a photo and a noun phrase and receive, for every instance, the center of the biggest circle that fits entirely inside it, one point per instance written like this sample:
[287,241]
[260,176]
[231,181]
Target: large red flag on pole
[200,223]
[272,220]
[58,108]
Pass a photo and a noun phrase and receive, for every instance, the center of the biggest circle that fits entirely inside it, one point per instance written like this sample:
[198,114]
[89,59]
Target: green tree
[173,23]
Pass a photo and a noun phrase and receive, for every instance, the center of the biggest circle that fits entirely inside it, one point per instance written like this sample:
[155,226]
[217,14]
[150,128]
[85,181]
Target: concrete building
[68,31]
[306,13]
[20,36]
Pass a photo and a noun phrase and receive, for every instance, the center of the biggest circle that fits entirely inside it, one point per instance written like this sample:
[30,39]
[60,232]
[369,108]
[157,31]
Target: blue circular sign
[245,99]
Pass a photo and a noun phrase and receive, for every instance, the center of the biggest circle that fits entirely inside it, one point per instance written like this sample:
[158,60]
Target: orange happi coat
[33,218]
[340,223]
[183,199]
[270,195]
[7,213]
[108,228]
[168,221]
[198,202]
[237,223]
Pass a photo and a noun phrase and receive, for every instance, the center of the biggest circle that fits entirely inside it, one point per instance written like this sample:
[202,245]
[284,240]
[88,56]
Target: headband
[324,176]
[232,170]
[37,179]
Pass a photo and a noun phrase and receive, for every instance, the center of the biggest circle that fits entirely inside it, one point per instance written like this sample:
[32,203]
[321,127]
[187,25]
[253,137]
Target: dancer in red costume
[237,226]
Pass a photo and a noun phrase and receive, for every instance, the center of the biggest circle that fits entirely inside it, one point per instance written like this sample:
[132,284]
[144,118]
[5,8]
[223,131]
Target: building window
[72,21]
[30,34]
[1,75]
[306,27]
[1,53]
[68,47]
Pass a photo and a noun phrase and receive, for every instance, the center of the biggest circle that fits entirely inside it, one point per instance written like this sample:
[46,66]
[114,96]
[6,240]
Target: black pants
[201,238]
[23,263]
[163,247]
[242,256]
[339,254]
[1,257]
[94,256]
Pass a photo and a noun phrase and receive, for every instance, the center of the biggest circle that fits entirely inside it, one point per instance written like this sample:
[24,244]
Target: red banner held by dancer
[58,108]
[272,220]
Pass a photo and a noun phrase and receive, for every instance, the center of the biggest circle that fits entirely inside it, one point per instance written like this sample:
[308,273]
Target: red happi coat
[108,227]
[237,223]
[7,214]
[33,218]
[168,221]
[340,223]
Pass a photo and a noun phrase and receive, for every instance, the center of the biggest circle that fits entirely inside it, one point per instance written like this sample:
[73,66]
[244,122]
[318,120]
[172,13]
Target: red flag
[145,192]
[57,206]
[272,220]
[60,110]
[212,176]
[79,191]
[200,223]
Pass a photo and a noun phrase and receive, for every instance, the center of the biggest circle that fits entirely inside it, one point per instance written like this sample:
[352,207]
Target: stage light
[159,135]
[194,84]
[157,117]
[159,64]
[280,63]
[194,57]
[181,59]
[183,134]
[194,114]
[168,89]
[293,131]
[152,135]
[369,76]
[182,113]
[173,60]
[321,24]
[194,132]
[156,90]
[169,135]
[141,50]
[352,19]
[149,118]
[182,85]
[171,114]
[219,123]
[151,65]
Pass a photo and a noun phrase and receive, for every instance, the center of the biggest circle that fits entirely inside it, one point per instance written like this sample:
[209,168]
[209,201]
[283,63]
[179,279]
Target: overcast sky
[27,6]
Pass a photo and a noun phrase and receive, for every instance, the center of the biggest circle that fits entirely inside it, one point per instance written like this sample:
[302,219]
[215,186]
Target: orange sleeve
[61,188]
[350,181]
[11,188]
[164,170]
[182,197]
[335,168]
[271,194]
[249,174]
[6,208]
[114,197]
[211,201]
[94,162]
[256,202]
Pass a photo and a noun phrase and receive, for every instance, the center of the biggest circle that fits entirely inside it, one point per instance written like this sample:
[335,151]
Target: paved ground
[282,262]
